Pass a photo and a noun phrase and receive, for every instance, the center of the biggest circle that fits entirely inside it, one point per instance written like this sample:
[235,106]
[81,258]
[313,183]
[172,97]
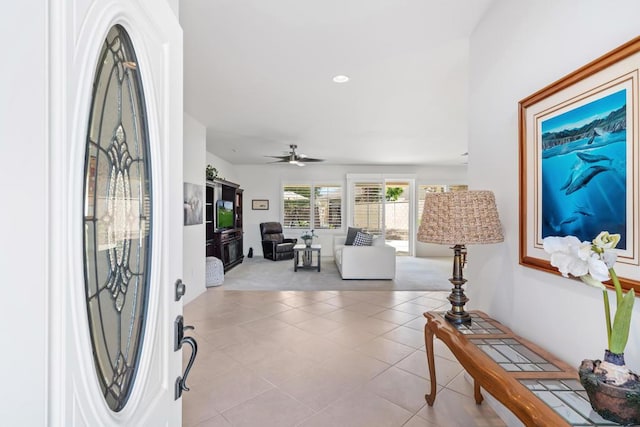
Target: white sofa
[377,261]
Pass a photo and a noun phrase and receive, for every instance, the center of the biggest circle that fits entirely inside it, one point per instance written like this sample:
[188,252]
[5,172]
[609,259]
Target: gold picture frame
[578,160]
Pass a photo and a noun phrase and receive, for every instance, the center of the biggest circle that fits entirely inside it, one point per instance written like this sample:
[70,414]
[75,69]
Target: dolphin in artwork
[569,220]
[585,177]
[577,166]
[593,158]
[567,183]
[595,132]
[582,211]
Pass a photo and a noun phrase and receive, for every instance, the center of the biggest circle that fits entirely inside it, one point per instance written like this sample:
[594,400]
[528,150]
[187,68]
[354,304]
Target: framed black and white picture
[260,205]
[193,203]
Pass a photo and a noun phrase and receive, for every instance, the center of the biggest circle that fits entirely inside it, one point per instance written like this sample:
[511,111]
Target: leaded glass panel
[512,356]
[117,218]
[569,399]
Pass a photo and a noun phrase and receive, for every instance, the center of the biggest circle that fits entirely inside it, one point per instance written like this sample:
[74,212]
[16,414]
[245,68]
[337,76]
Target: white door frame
[77,30]
[382,178]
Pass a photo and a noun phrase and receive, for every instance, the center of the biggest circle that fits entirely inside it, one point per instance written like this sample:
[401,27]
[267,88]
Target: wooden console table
[538,388]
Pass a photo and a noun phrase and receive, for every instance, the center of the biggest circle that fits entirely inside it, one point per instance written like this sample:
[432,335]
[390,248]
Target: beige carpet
[412,274]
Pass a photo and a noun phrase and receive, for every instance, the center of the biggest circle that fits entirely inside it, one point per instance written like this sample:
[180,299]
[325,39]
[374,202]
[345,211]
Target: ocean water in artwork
[584,171]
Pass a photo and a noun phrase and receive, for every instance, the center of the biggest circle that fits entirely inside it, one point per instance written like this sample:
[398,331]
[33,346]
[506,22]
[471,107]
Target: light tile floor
[321,359]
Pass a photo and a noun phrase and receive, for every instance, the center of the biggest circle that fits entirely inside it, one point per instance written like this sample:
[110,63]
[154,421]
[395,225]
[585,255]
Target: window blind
[368,206]
[297,206]
[327,206]
[326,201]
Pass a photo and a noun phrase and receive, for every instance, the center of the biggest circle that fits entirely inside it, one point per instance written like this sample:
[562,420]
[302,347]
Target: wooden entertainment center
[224,243]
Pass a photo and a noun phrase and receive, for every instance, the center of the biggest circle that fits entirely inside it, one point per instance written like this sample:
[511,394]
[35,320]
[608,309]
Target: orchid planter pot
[618,403]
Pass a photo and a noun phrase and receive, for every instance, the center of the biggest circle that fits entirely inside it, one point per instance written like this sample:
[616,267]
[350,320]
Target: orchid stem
[607,315]
[616,284]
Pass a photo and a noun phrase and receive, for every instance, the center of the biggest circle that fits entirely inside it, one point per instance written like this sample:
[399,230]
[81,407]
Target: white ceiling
[257,74]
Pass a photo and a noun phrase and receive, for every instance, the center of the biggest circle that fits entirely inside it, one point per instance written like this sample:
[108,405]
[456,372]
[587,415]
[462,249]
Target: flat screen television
[224,214]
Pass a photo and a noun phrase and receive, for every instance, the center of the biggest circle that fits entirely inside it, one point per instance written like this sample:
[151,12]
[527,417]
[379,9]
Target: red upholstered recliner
[274,246]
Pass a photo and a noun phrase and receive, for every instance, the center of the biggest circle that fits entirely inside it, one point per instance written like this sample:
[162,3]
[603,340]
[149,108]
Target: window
[297,206]
[327,206]
[368,206]
[117,218]
[325,199]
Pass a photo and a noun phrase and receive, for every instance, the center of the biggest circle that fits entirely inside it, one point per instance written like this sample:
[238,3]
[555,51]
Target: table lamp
[460,218]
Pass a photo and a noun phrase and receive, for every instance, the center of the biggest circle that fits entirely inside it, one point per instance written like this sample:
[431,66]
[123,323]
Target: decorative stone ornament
[618,403]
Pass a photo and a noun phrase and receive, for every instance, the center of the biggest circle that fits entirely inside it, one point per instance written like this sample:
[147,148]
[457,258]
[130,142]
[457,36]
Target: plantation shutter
[296,206]
[368,206]
[327,203]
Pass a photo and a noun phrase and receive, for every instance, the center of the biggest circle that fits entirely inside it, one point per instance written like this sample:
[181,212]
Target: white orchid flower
[589,280]
[593,262]
[609,258]
[573,257]
[566,255]
[605,241]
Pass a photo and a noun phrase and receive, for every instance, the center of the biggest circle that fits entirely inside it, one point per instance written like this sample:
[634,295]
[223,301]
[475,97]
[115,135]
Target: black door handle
[180,338]
[181,382]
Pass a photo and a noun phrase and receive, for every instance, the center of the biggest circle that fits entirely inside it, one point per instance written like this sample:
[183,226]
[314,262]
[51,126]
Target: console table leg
[428,339]
[476,392]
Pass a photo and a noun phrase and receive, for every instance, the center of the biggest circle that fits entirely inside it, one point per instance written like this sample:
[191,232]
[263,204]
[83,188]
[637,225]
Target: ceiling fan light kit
[294,158]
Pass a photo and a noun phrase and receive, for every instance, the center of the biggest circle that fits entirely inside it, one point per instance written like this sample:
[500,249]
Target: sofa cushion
[351,235]
[378,241]
[363,239]
[361,262]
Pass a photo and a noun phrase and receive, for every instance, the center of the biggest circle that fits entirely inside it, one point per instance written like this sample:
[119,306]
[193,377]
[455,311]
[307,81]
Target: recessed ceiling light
[340,78]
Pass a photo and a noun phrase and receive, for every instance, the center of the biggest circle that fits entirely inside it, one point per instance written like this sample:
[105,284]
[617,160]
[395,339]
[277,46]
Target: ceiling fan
[295,158]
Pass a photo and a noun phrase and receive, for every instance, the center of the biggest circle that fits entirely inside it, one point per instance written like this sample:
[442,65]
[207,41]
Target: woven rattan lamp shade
[460,218]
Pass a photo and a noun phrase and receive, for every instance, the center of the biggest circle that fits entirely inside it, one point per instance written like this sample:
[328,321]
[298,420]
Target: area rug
[412,274]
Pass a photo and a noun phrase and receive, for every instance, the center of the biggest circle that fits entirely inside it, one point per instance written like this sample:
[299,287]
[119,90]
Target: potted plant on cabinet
[307,237]
[212,173]
[613,389]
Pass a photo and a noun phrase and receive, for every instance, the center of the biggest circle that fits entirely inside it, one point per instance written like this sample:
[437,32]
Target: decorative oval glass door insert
[117,218]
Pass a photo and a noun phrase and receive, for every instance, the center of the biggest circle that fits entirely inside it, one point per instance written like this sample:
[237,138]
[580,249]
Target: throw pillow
[362,239]
[351,235]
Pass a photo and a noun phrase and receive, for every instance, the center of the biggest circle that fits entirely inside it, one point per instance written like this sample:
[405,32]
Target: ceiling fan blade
[294,158]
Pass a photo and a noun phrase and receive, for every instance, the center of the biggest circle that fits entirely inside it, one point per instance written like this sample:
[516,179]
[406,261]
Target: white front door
[116,226]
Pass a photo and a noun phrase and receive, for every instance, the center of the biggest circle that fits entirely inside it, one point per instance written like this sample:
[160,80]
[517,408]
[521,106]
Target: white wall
[175,6]
[265,182]
[194,166]
[519,48]
[23,218]
[195,162]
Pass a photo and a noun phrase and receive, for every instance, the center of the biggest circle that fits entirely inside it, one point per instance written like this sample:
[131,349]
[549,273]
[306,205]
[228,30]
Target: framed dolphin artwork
[579,160]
